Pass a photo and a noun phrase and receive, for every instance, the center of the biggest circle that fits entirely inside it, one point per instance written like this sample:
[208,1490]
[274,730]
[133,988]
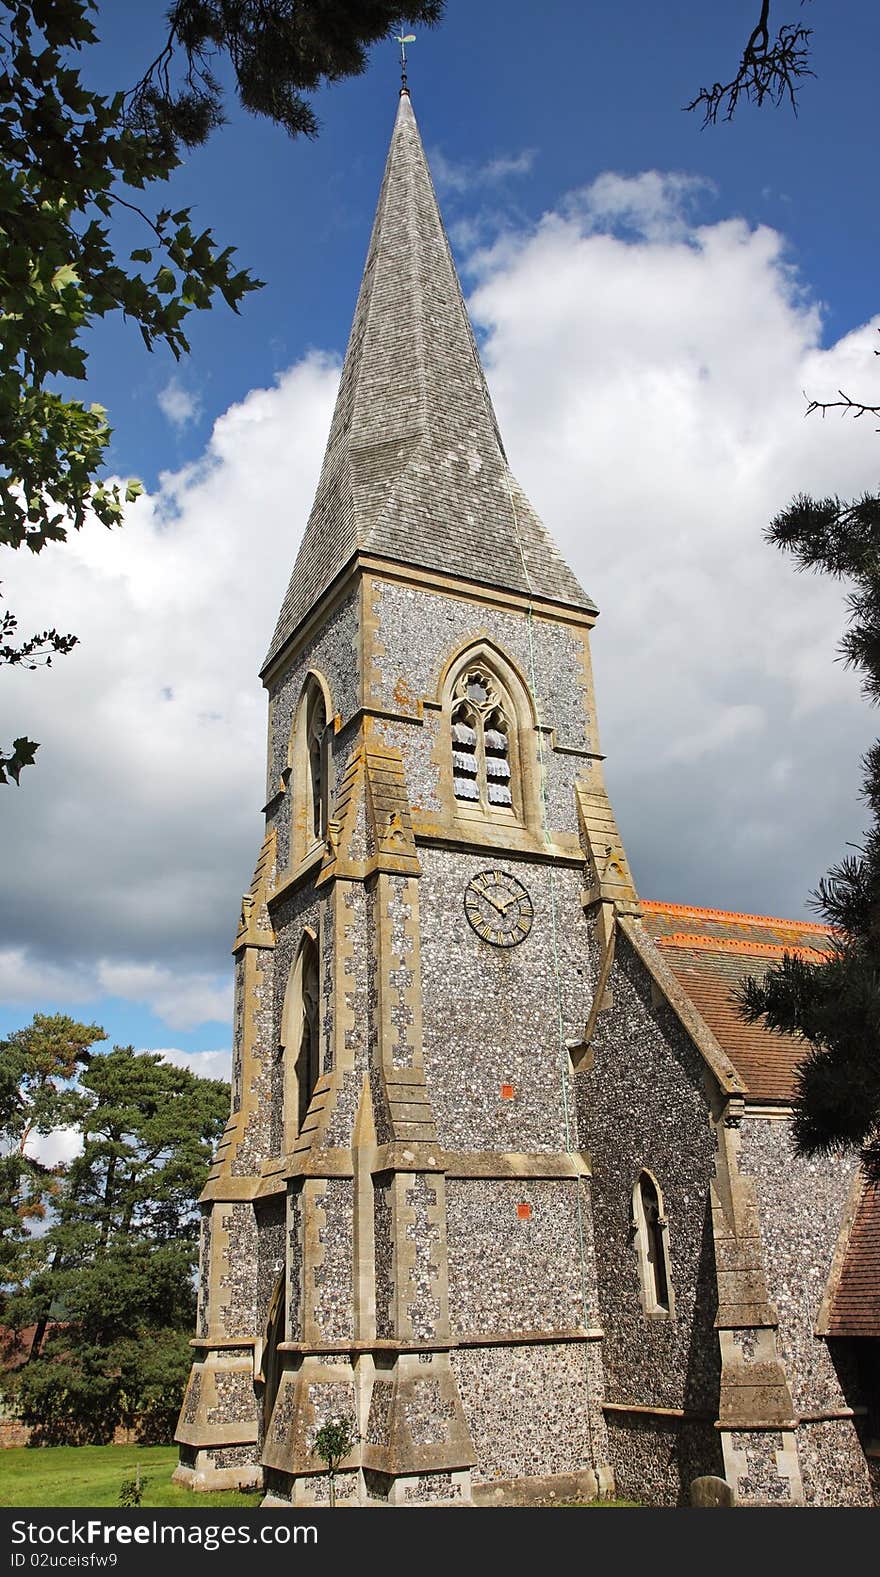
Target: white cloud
[453,176]
[650,388]
[57,1148]
[654,206]
[143,808]
[207,1064]
[178,404]
[23,976]
[181,998]
[649,375]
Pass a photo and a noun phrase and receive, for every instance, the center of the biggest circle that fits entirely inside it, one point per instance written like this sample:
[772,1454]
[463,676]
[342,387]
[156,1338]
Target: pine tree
[118,1259]
[835,1005]
[38,1067]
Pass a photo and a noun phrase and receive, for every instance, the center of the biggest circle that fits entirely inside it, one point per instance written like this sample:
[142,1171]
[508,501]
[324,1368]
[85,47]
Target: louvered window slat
[499,794]
[466,788]
[496,768]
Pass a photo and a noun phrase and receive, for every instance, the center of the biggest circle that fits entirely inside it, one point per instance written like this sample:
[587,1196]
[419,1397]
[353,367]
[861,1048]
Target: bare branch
[843,403]
[767,70]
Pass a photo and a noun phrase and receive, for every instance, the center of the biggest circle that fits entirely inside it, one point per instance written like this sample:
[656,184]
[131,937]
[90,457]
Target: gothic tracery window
[481,755]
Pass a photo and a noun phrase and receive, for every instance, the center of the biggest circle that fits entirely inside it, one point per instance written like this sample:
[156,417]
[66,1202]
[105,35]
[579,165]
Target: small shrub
[333,1441]
[131,1491]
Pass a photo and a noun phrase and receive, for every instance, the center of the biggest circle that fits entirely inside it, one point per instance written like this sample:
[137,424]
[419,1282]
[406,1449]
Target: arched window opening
[307,1058]
[300,1044]
[652,1246]
[481,752]
[308,761]
[316,728]
[271,1365]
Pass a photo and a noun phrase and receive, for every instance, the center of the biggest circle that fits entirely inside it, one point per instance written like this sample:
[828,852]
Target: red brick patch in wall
[524,1212]
[507,1092]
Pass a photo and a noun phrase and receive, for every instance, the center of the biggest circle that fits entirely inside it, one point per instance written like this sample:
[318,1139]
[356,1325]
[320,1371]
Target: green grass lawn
[93,1475]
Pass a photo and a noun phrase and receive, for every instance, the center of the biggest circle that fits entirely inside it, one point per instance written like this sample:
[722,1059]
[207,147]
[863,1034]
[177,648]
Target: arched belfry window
[482,718]
[652,1245]
[309,769]
[300,1037]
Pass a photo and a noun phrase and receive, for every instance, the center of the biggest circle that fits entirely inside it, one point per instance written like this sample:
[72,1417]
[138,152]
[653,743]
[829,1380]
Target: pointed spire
[415,469]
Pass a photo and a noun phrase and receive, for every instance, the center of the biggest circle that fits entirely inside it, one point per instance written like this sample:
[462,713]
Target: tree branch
[767,70]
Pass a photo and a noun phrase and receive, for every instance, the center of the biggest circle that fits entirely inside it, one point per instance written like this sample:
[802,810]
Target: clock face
[499,908]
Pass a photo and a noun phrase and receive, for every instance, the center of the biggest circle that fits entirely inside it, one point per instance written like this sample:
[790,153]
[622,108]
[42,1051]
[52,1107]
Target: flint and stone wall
[801,1205]
[644,1105]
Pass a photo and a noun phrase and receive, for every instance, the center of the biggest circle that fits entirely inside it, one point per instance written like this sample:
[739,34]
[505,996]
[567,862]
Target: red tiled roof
[710,951]
[855,1310]
[15,1346]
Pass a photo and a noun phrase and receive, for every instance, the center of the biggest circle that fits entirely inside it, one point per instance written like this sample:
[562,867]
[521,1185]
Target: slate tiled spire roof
[709,952]
[415,469]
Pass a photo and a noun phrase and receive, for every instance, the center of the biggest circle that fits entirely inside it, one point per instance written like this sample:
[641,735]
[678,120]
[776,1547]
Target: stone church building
[506,1180]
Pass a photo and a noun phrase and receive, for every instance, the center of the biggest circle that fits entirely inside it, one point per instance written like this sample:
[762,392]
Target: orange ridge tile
[656,907]
[730,944]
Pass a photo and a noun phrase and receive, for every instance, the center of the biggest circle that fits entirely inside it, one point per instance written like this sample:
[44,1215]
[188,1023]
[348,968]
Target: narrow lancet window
[308,760]
[316,727]
[300,1043]
[307,1059]
[481,742]
[652,1245]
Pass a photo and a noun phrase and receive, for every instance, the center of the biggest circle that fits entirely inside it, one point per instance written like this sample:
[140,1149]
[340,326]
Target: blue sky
[651,299]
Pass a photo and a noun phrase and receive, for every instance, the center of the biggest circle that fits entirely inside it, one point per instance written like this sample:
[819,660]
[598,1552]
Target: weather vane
[403,39]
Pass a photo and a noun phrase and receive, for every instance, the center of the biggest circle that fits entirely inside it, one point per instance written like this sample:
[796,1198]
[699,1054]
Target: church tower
[398,1224]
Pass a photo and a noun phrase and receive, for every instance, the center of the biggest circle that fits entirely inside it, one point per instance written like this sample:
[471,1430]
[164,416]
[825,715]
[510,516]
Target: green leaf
[64,276]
